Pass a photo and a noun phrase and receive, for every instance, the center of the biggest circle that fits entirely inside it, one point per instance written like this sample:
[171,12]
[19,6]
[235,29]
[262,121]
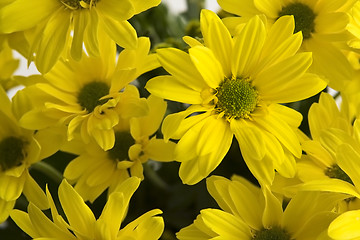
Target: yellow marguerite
[95,170]
[234,86]
[50,23]
[323,25]
[19,149]
[81,222]
[85,95]
[251,213]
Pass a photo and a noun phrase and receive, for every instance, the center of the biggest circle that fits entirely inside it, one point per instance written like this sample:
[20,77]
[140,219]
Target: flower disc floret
[90,94]
[304,18]
[78,4]
[12,152]
[123,141]
[274,233]
[236,98]
[336,172]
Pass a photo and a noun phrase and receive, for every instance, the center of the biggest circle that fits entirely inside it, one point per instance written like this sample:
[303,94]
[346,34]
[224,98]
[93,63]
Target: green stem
[154,177]
[48,170]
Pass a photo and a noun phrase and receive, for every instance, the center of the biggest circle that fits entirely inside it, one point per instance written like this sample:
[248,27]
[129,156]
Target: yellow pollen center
[236,98]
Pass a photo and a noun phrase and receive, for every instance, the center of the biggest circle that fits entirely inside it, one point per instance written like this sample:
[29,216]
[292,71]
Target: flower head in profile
[51,23]
[95,170]
[250,213]
[86,96]
[19,150]
[81,223]
[323,25]
[234,86]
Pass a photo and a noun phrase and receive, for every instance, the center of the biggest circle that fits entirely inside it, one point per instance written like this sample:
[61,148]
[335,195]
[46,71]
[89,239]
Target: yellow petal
[116,10]
[22,219]
[240,8]
[5,209]
[34,193]
[141,6]
[121,32]
[80,20]
[159,150]
[346,226]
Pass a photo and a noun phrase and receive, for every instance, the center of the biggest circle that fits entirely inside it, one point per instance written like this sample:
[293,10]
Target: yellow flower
[81,221]
[251,213]
[95,170]
[19,149]
[234,86]
[85,96]
[322,23]
[49,24]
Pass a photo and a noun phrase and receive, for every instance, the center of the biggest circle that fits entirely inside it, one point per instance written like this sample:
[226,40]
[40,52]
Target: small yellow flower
[82,224]
[19,149]
[251,213]
[322,23]
[49,24]
[234,86]
[85,96]
[95,170]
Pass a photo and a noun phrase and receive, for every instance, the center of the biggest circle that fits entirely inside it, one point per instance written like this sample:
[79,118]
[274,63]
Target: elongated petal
[121,32]
[159,150]
[168,87]
[273,209]
[80,22]
[346,226]
[118,10]
[179,64]
[349,161]
[140,5]
[11,187]
[52,41]
[241,8]
[247,47]
[22,219]
[5,209]
[34,193]
[207,65]
[271,8]
[77,212]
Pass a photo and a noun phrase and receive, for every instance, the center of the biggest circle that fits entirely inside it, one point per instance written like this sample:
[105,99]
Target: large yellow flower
[51,22]
[251,213]
[323,25]
[85,96]
[82,224]
[234,86]
[95,170]
[19,149]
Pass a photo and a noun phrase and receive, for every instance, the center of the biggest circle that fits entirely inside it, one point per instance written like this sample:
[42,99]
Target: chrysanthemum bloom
[346,226]
[322,23]
[326,162]
[19,149]
[234,86]
[251,213]
[51,22]
[96,170]
[85,96]
[81,223]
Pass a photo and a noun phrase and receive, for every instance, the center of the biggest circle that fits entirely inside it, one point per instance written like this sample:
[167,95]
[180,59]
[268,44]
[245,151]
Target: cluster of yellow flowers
[237,79]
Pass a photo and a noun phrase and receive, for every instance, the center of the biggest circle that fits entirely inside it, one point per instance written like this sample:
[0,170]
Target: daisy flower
[19,149]
[51,22]
[85,95]
[251,213]
[234,86]
[322,23]
[82,224]
[95,170]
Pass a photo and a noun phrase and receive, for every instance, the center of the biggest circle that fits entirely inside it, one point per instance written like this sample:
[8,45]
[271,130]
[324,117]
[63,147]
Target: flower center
[79,4]
[123,141]
[274,233]
[90,94]
[304,18]
[336,172]
[237,98]
[12,152]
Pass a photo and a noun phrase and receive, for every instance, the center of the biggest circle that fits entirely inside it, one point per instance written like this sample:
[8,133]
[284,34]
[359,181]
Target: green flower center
[90,94]
[274,233]
[12,152]
[79,4]
[336,172]
[237,98]
[123,141]
[304,18]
